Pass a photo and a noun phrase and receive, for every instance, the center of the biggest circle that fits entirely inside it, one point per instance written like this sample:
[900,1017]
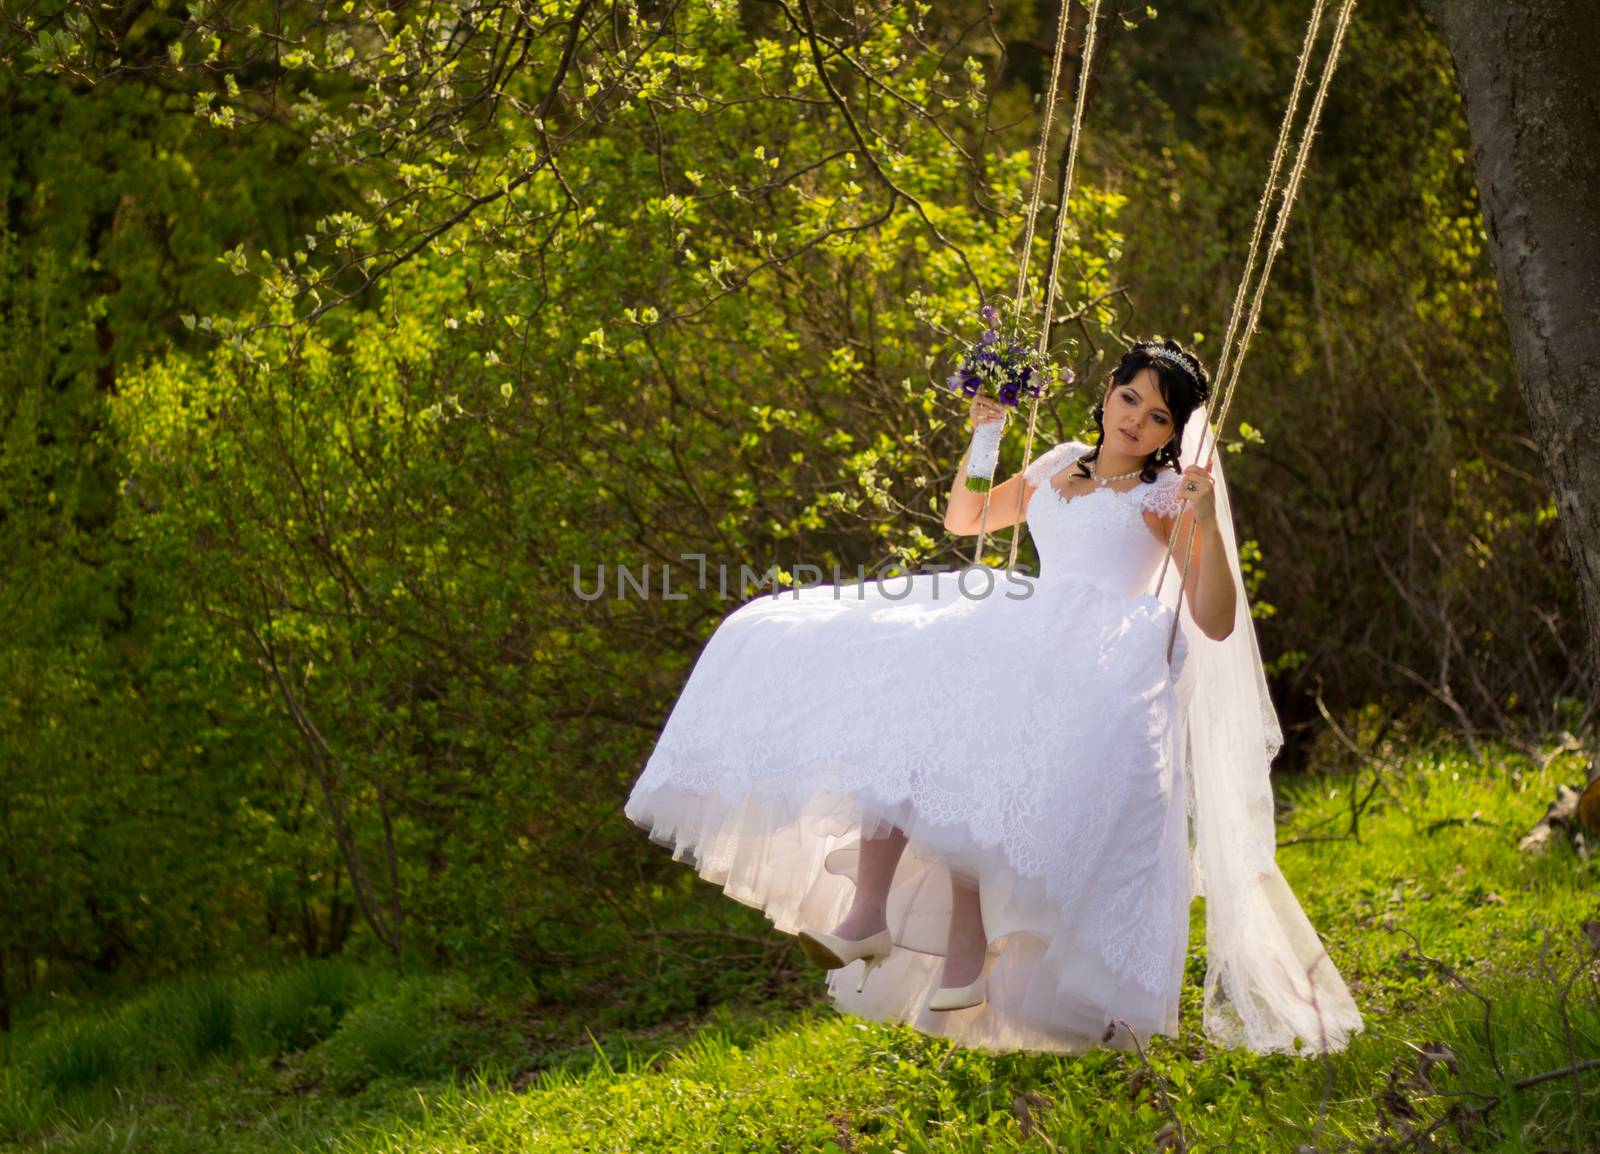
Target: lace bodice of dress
[1100,536]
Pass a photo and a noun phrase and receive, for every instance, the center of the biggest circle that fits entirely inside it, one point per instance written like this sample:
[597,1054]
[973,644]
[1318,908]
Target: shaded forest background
[334,344]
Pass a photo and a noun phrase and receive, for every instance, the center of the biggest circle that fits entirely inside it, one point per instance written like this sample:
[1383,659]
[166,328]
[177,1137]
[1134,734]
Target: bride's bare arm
[1212,597]
[1212,593]
[964,507]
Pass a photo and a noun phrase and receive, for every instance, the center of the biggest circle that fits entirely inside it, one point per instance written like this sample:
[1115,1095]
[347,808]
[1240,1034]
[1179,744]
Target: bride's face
[1137,420]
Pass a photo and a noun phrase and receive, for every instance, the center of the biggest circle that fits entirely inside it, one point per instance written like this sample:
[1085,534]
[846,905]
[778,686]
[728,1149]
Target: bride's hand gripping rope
[1197,488]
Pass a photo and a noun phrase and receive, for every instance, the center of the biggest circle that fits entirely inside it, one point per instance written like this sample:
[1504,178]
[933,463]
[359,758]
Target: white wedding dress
[1028,738]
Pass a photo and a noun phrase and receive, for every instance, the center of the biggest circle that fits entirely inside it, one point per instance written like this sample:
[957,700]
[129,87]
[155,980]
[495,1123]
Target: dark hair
[1183,393]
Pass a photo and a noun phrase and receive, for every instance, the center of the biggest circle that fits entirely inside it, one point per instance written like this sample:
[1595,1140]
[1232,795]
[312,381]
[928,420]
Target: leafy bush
[80,1056]
[189,1021]
[409,1031]
[295,1008]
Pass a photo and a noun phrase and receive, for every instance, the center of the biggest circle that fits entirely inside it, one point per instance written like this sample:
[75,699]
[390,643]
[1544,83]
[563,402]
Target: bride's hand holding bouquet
[997,370]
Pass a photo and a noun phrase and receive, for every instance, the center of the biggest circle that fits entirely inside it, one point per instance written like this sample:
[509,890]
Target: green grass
[339,1057]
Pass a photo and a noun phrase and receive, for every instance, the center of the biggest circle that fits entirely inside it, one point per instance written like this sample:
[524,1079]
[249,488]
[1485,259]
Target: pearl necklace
[1102,482]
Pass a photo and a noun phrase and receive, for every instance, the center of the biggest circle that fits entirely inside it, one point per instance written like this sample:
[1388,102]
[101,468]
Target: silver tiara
[1173,358]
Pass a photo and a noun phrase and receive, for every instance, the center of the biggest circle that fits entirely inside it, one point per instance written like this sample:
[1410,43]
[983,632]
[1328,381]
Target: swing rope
[1236,341]
[1038,163]
[1059,232]
[1230,361]
[1279,152]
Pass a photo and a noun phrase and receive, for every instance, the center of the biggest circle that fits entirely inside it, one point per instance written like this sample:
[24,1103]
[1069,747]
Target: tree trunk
[1529,74]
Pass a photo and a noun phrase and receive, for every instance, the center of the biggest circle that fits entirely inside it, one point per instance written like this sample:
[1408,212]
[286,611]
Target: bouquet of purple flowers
[1010,365]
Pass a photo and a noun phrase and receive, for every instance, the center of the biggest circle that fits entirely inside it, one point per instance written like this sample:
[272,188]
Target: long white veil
[1269,981]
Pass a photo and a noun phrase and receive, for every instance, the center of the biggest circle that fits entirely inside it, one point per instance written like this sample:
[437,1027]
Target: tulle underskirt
[794,857]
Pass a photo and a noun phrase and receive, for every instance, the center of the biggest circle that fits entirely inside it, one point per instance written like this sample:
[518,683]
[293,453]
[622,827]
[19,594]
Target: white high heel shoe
[959,997]
[832,952]
[974,993]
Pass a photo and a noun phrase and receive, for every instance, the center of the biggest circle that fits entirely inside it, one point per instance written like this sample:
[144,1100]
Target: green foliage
[126,752]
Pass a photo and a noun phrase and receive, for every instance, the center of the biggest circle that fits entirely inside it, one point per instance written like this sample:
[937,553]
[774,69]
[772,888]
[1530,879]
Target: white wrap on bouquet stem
[985,454]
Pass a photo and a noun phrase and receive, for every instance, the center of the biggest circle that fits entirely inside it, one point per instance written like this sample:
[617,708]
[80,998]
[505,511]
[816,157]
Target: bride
[998,794]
